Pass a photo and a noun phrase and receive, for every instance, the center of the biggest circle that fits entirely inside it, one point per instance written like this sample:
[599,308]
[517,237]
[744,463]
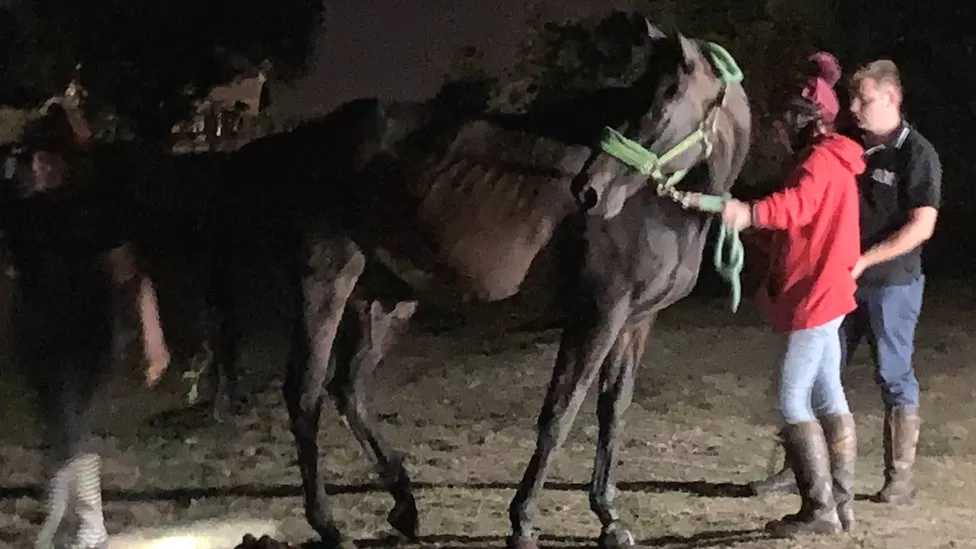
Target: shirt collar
[894,141]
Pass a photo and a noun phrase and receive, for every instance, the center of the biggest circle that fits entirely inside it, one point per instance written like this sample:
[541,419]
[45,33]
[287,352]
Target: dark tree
[140,57]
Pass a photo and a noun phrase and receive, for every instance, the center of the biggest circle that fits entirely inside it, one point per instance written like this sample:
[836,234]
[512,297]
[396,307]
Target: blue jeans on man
[887,316]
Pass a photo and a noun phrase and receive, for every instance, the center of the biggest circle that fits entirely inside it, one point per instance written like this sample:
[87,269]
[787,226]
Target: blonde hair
[882,72]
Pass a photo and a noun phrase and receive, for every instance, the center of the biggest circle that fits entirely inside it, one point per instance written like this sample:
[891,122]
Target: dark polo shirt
[902,174]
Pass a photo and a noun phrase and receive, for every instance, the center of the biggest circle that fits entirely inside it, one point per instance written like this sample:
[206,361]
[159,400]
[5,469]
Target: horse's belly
[488,226]
[483,265]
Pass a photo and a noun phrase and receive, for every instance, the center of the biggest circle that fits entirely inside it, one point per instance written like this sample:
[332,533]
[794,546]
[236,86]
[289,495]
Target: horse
[379,205]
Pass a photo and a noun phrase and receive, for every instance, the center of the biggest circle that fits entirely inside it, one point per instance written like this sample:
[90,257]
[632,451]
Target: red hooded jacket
[817,237]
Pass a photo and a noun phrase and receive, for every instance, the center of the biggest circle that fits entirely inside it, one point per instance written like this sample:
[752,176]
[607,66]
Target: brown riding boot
[841,435]
[780,482]
[901,428]
[811,466]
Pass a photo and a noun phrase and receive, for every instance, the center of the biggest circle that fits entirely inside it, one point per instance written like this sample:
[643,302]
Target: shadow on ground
[722,538]
[697,488]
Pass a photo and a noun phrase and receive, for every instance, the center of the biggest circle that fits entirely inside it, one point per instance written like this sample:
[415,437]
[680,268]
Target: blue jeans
[887,315]
[810,373]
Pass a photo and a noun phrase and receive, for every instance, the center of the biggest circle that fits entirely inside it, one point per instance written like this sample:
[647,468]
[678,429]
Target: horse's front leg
[616,393]
[586,341]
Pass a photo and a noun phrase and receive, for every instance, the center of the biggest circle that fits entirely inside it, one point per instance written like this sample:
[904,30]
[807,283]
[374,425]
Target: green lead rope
[730,258]
[730,253]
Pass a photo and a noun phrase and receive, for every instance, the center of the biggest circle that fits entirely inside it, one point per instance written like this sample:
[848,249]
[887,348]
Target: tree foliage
[140,57]
[557,60]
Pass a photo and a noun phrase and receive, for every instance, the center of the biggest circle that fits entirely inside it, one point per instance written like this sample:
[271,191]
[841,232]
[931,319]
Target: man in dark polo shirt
[900,195]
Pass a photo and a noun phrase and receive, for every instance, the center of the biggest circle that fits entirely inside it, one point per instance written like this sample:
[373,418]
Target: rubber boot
[58,499]
[901,428]
[811,467]
[780,482]
[841,435]
[88,504]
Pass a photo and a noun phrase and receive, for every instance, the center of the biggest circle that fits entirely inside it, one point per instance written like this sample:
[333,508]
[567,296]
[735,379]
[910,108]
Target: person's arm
[137,289]
[794,206]
[920,226]
[923,190]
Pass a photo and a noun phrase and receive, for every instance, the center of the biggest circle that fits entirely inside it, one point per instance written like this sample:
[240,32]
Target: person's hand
[859,267]
[157,361]
[737,214]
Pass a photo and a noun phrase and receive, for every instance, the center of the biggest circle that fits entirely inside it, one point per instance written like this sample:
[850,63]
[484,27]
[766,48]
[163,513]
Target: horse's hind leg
[220,351]
[218,357]
[585,344]
[616,392]
[331,270]
[363,342]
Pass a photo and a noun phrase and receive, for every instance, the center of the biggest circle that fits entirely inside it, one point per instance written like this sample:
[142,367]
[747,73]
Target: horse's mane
[577,120]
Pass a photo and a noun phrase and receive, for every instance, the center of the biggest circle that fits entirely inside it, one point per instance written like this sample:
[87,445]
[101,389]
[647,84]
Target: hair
[881,71]
[806,123]
[806,112]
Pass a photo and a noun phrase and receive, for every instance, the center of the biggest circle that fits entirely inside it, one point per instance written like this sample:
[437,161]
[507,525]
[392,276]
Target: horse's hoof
[522,542]
[616,536]
[404,518]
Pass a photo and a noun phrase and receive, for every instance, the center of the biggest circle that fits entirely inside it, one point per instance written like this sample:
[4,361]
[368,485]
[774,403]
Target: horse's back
[465,206]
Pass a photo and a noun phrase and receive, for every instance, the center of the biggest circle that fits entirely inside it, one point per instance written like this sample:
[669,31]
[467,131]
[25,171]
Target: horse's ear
[689,52]
[653,31]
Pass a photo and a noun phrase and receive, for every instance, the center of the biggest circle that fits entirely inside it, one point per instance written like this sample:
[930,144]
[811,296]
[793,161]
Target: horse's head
[689,108]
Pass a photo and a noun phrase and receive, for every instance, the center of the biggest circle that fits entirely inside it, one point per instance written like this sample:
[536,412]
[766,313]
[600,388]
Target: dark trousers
[65,392]
[65,368]
[886,316]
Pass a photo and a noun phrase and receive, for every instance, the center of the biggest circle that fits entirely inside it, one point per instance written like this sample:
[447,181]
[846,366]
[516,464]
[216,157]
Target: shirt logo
[885,177]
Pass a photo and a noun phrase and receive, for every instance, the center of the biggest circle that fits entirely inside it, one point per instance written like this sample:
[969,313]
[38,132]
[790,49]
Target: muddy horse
[455,208]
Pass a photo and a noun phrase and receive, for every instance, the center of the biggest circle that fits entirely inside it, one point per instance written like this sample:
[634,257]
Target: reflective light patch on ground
[211,534]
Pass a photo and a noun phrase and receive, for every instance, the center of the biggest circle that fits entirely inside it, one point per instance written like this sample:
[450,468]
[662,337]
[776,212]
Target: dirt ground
[463,407]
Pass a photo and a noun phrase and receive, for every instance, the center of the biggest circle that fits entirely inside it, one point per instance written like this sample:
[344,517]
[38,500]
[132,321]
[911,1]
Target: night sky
[400,49]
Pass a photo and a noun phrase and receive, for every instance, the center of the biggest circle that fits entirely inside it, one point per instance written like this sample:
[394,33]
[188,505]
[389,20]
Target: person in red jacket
[807,293]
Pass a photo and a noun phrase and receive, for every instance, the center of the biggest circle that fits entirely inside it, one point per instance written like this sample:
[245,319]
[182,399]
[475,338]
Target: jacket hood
[848,152]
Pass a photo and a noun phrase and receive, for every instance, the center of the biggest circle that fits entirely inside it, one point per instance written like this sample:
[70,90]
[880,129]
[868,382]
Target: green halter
[729,256]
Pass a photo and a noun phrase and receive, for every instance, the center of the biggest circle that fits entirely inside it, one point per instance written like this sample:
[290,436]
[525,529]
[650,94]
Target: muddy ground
[463,407]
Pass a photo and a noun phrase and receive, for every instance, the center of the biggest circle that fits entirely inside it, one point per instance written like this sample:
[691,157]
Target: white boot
[88,503]
[58,498]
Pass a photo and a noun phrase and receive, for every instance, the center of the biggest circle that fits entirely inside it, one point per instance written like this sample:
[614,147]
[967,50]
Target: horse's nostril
[588,198]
